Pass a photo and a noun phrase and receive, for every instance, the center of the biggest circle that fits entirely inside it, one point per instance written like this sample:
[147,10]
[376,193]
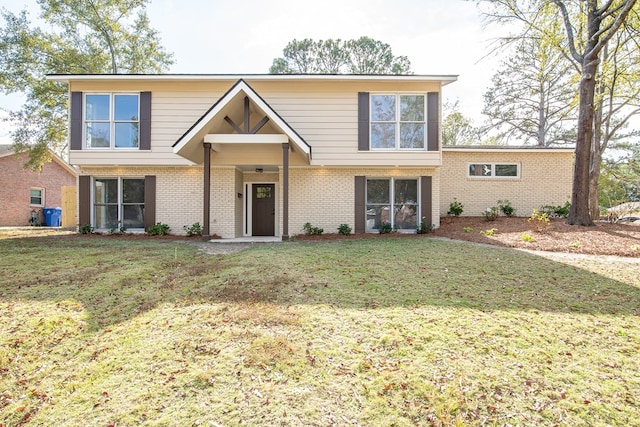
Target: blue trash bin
[53,217]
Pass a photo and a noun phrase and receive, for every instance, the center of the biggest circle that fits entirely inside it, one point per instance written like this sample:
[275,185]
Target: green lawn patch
[395,331]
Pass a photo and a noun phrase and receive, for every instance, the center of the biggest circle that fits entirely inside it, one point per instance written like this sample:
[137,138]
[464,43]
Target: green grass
[395,331]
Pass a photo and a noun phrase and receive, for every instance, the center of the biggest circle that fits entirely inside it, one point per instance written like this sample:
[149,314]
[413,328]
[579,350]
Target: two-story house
[261,155]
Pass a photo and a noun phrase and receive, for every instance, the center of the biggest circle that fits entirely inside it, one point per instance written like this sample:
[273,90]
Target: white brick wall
[325,196]
[545,179]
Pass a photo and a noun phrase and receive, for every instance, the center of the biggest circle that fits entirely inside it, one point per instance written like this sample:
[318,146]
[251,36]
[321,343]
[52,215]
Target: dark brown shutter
[84,200]
[426,199]
[433,121]
[75,133]
[149,201]
[360,208]
[145,120]
[363,121]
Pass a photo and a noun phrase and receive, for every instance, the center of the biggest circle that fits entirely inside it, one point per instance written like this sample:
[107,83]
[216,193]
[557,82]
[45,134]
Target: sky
[243,37]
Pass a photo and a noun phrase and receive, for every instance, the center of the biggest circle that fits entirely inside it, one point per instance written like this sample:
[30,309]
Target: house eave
[444,79]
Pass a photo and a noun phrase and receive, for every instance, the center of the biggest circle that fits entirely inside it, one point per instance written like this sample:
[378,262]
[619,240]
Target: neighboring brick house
[23,190]
[261,155]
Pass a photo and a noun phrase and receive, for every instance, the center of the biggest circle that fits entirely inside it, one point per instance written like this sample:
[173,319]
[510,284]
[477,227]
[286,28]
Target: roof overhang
[444,79]
[189,145]
[505,149]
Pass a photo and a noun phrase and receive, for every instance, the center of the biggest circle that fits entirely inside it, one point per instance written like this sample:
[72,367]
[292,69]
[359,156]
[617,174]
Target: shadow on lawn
[116,280]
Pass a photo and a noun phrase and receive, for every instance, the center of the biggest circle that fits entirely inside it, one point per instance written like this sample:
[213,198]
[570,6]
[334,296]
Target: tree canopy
[78,36]
[360,56]
[588,27]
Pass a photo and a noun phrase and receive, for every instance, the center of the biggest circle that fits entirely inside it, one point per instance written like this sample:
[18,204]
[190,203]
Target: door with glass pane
[263,210]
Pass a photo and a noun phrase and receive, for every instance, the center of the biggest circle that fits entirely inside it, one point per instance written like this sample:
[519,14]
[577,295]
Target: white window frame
[398,122]
[392,189]
[41,197]
[493,170]
[112,121]
[120,203]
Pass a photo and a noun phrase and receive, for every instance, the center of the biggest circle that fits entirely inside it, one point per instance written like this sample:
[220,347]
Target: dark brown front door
[263,210]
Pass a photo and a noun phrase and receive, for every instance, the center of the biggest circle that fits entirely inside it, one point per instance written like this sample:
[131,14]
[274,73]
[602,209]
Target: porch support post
[285,191]
[206,235]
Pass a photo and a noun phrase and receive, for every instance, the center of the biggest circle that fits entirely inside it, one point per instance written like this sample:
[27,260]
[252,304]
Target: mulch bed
[620,239]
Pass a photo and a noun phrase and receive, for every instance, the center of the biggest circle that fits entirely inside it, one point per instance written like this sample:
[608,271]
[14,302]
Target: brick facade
[16,183]
[545,179]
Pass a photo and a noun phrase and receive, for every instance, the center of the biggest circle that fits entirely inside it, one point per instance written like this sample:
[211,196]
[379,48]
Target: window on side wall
[118,203]
[112,121]
[398,122]
[494,170]
[394,201]
[36,197]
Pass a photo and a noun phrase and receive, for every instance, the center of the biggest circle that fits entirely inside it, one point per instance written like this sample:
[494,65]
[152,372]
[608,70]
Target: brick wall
[321,196]
[325,196]
[16,183]
[545,179]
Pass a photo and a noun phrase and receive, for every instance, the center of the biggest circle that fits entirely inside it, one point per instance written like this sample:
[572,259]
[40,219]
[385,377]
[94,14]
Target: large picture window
[112,120]
[494,170]
[397,122]
[392,200]
[119,203]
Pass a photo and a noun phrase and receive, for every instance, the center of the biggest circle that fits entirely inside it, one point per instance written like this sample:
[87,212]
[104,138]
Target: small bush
[489,232]
[468,229]
[86,229]
[385,228]
[344,229]
[539,221]
[194,229]
[575,245]
[424,228]
[159,229]
[310,230]
[526,237]
[506,208]
[491,214]
[455,208]
[560,211]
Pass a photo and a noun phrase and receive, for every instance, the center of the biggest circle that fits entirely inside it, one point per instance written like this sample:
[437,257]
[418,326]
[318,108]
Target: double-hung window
[398,121]
[36,197]
[112,120]
[119,203]
[494,170]
[394,201]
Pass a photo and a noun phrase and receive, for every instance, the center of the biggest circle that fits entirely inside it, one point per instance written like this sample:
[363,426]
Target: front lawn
[397,331]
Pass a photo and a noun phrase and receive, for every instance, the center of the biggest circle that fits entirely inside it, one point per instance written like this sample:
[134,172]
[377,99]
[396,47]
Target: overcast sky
[243,37]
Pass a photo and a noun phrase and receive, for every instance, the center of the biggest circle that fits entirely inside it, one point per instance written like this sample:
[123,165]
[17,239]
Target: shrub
[344,229]
[560,211]
[526,237]
[424,228]
[455,208]
[310,230]
[491,214]
[539,220]
[506,208]
[194,229]
[159,229]
[468,229]
[489,232]
[86,229]
[385,228]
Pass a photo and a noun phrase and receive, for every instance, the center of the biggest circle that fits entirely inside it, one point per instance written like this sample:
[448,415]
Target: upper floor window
[36,197]
[494,170]
[112,120]
[398,122]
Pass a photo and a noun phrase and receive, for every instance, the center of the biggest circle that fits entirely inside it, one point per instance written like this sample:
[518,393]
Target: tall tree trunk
[579,213]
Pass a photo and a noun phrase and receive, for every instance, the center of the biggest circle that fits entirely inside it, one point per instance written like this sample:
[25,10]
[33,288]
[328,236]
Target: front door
[263,210]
